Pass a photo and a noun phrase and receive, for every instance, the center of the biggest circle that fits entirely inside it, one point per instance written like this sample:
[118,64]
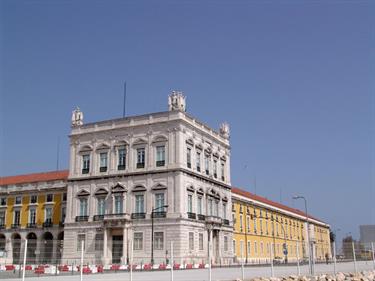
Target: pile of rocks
[360,276]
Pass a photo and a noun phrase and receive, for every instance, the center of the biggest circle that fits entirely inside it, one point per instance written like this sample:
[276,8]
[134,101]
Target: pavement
[218,274]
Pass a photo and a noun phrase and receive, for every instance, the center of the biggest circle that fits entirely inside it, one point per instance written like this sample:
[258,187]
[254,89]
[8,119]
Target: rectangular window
[3,201]
[140,158]
[190,203]
[224,211]
[63,214]
[191,241]
[198,161]
[207,164]
[255,224]
[33,199]
[2,218]
[81,239]
[234,247]
[119,204]
[49,197]
[101,206]
[248,248]
[32,216]
[121,159]
[242,252]
[18,200]
[210,211]
[216,210]
[241,224]
[255,247]
[215,169]
[103,161]
[160,156]
[199,205]
[64,196]
[158,240]
[159,201]
[85,163]
[222,171]
[99,241]
[139,203]
[248,223]
[83,206]
[138,241]
[17,217]
[188,157]
[226,243]
[48,215]
[200,241]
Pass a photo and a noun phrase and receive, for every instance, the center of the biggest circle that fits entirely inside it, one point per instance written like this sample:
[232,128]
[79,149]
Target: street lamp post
[152,231]
[308,233]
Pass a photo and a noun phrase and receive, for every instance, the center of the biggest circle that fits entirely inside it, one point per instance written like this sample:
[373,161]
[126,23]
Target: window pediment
[85,148]
[160,138]
[101,192]
[103,146]
[159,186]
[190,188]
[83,193]
[140,141]
[190,141]
[118,188]
[200,191]
[139,188]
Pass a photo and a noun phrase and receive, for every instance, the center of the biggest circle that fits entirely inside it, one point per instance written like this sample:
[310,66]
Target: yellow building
[32,207]
[264,230]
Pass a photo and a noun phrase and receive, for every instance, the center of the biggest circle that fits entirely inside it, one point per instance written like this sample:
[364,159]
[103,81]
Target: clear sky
[295,80]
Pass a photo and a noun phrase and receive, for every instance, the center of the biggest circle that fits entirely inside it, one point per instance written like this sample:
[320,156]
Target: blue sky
[293,78]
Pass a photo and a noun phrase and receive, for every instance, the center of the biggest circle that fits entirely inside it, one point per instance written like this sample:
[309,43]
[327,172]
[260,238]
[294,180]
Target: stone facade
[167,164]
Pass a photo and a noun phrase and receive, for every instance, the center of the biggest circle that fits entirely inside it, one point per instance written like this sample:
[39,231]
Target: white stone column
[124,246]
[105,246]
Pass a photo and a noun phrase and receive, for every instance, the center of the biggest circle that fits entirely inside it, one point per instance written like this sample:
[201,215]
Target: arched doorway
[16,248]
[47,252]
[60,245]
[31,247]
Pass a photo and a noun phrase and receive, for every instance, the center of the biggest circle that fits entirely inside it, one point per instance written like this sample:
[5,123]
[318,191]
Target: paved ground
[218,274]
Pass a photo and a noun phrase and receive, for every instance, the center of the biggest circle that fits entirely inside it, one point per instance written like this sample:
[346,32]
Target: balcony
[226,222]
[103,169]
[47,224]
[98,217]
[137,216]
[15,225]
[157,215]
[31,225]
[160,163]
[192,215]
[201,217]
[140,165]
[121,167]
[113,217]
[213,220]
[85,171]
[82,218]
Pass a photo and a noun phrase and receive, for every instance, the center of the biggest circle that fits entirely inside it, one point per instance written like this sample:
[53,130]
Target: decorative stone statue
[224,130]
[77,117]
[176,101]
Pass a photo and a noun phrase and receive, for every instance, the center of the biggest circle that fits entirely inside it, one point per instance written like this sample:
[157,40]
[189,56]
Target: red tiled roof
[47,176]
[272,203]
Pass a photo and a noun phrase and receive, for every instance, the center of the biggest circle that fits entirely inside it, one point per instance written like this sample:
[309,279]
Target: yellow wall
[293,228]
[40,209]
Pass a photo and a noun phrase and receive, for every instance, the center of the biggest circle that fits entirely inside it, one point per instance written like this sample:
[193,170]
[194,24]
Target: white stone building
[123,169]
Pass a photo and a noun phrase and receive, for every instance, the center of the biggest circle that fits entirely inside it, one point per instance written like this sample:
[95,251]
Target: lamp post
[308,232]
[152,231]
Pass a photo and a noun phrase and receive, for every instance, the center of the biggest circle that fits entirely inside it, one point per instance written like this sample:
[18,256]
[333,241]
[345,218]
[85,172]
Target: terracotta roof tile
[47,176]
[272,203]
